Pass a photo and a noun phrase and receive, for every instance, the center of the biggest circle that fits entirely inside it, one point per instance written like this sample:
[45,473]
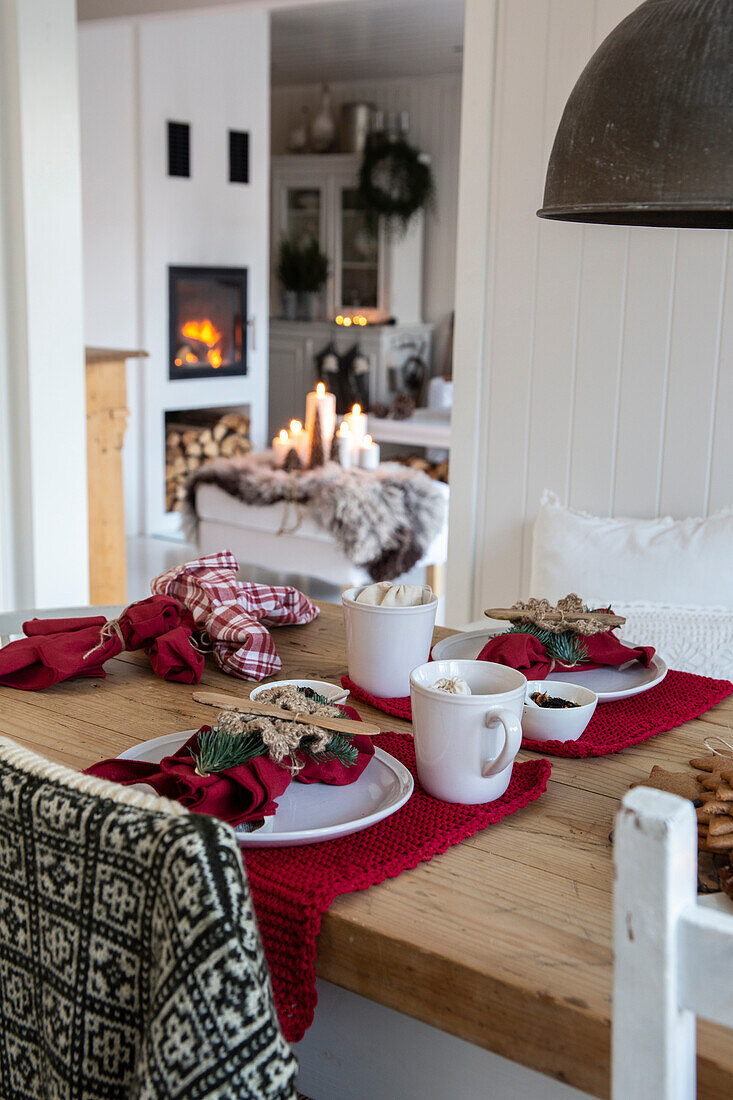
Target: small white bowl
[333,692]
[563,724]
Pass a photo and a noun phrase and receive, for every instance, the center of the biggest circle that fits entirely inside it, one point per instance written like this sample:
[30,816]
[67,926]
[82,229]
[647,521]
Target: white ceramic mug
[384,644]
[466,744]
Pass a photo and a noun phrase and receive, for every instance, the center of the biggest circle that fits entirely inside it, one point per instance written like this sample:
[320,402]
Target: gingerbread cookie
[686,786]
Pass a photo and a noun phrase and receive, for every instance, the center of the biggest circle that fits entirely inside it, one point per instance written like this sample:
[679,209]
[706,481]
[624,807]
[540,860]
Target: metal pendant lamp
[646,137]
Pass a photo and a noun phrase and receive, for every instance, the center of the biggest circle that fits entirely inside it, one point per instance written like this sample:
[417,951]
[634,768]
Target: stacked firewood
[437,470]
[189,446]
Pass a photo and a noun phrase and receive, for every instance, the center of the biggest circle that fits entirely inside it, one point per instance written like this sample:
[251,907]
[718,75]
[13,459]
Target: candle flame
[320,390]
[344,428]
[296,426]
[356,410]
[283,436]
[368,441]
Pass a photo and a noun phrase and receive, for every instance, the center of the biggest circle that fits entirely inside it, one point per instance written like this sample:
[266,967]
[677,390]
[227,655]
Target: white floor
[359,1050]
[149,555]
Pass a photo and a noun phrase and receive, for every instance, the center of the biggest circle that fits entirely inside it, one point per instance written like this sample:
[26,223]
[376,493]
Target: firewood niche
[195,437]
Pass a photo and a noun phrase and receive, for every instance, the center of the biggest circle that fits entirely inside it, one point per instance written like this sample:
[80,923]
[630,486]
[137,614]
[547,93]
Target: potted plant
[314,272]
[288,271]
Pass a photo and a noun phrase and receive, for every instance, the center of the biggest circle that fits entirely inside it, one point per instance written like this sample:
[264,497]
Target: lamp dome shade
[646,137]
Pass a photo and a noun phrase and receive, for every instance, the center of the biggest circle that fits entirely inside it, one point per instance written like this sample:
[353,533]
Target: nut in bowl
[553,721]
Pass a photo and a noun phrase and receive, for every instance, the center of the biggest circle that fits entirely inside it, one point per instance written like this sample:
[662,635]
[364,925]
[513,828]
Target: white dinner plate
[310,812]
[608,683]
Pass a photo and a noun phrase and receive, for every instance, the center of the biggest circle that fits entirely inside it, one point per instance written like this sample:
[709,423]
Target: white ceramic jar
[384,644]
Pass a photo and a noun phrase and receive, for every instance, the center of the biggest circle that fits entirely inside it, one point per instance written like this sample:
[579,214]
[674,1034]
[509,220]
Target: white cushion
[658,561]
[671,579]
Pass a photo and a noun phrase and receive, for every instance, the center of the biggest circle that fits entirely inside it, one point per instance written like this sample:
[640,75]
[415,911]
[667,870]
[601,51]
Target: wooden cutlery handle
[254,706]
[519,615]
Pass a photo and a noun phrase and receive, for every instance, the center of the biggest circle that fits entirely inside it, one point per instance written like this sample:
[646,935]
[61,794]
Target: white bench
[281,538]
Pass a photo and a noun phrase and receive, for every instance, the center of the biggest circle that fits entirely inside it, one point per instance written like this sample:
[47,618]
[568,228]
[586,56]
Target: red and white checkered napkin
[235,613]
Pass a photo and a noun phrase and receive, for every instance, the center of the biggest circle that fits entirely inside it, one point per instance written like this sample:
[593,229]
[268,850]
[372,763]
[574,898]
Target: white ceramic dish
[607,683]
[563,724]
[333,692]
[310,812]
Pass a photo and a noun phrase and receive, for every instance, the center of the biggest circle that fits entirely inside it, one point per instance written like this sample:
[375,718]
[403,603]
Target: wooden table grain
[505,940]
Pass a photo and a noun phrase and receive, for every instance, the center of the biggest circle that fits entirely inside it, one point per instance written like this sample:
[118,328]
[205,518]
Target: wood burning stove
[208,322]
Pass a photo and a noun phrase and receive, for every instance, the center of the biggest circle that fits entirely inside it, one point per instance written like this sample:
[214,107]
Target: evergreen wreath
[394,182]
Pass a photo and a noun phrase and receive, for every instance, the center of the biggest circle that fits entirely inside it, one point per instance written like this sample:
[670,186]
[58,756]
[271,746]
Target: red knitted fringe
[293,887]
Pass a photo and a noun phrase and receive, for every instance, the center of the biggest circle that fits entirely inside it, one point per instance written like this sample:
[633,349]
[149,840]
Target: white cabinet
[294,344]
[373,272]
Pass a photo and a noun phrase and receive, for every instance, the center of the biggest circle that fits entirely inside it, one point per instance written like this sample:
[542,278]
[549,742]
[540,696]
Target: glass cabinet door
[303,214]
[359,260]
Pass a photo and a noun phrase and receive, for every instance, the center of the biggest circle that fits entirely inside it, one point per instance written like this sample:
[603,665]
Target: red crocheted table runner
[680,697]
[293,887]
[398,708]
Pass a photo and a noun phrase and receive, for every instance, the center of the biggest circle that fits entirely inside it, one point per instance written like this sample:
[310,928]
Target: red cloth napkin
[334,772]
[174,658]
[52,651]
[234,613]
[527,654]
[62,649]
[244,793]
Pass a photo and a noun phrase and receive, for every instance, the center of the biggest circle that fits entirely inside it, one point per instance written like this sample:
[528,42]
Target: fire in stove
[201,345]
[208,318]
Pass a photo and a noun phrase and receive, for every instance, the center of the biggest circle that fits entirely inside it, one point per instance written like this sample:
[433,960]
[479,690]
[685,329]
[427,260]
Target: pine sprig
[339,748]
[220,748]
[311,694]
[567,648]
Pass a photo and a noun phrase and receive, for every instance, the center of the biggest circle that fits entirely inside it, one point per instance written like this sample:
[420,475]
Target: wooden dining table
[505,940]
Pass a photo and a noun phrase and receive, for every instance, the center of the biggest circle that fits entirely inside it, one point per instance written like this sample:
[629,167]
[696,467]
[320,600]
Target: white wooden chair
[11,622]
[673,952]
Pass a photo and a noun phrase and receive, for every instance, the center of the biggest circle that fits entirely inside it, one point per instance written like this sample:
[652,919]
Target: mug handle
[512,740]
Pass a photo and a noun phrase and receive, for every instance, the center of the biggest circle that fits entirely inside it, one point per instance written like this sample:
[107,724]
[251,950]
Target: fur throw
[383,520]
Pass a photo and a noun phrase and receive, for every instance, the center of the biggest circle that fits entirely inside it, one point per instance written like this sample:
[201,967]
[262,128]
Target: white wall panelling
[44,556]
[606,369]
[211,70]
[434,104]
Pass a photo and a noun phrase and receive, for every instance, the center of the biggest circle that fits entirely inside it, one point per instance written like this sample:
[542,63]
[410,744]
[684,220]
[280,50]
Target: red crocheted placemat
[293,887]
[679,698]
[398,708]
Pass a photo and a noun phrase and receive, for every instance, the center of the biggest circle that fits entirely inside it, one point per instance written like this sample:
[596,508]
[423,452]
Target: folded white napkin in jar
[386,594]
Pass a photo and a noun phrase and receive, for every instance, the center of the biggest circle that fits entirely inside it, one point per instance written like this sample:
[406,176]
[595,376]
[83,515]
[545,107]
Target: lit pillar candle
[345,445]
[324,403]
[281,445]
[368,453]
[299,441]
[358,423]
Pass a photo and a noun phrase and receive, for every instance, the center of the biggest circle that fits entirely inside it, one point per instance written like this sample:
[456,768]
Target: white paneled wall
[135,75]
[607,369]
[434,104]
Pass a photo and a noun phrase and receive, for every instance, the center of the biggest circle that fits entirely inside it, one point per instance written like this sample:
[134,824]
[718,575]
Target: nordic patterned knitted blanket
[131,966]
[384,520]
